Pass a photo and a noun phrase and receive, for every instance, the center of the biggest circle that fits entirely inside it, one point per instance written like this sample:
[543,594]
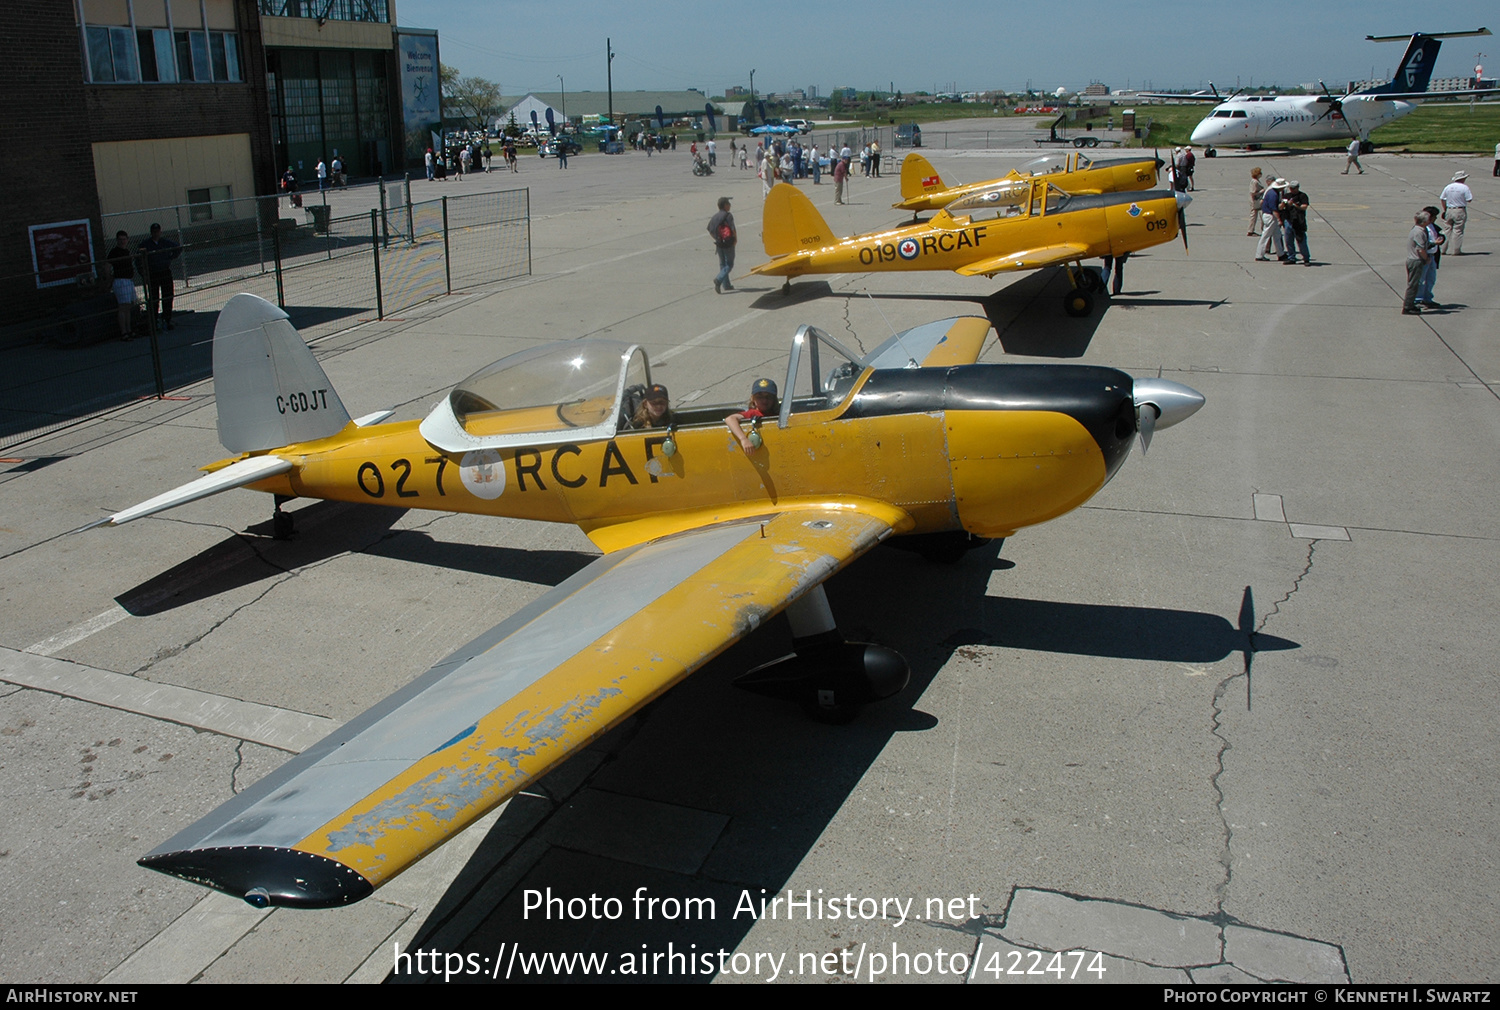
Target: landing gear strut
[282,526]
[832,679]
[786,287]
[1079,302]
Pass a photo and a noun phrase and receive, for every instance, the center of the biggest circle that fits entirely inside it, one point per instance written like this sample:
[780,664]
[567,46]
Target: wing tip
[266,875]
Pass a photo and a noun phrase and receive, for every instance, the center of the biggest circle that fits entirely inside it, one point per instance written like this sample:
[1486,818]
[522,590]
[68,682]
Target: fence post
[411,226]
[447,262]
[385,229]
[276,254]
[161,386]
[186,277]
[375,247]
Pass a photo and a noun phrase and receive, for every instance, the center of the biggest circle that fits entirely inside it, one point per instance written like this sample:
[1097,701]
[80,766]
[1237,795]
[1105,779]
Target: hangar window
[133,41]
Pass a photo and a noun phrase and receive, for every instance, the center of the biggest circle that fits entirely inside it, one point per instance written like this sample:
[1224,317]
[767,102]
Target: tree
[836,102]
[472,99]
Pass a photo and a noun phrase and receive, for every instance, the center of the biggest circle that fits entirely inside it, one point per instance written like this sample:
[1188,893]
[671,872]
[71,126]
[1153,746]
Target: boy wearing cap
[763,403]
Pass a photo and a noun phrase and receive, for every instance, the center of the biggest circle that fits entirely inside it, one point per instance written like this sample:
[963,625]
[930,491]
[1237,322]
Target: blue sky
[968,44]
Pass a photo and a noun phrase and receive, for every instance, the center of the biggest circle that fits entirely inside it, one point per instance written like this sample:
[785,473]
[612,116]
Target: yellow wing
[394,784]
[1026,259]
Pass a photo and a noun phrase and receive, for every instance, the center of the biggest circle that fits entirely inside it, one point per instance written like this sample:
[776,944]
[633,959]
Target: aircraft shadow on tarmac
[710,792]
[326,530]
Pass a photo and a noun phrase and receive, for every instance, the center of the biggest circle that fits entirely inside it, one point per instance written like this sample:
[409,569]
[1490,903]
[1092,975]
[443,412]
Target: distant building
[812,91]
[1096,89]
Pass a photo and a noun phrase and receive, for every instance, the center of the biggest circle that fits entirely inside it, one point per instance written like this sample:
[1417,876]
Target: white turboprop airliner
[1251,120]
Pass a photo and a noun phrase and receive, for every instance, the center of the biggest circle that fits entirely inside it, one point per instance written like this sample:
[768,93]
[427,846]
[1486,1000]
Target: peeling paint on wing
[446,792]
[748,618]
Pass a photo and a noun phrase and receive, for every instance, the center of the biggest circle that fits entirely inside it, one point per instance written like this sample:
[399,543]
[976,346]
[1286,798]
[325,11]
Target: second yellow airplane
[922,188]
[984,234]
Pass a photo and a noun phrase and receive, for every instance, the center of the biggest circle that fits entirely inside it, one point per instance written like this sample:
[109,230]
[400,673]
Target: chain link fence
[328,274]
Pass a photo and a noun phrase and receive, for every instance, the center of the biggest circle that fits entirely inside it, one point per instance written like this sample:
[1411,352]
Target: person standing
[1455,199]
[562,154]
[1270,221]
[840,177]
[713,153]
[122,270]
[875,159]
[1497,161]
[160,252]
[768,171]
[817,167]
[1435,240]
[1417,258]
[1294,221]
[1257,193]
[489,157]
[430,173]
[322,174]
[721,227]
[1353,161]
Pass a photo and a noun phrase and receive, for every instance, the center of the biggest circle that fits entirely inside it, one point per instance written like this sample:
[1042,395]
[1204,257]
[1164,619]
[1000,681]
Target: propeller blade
[1145,422]
[1182,201]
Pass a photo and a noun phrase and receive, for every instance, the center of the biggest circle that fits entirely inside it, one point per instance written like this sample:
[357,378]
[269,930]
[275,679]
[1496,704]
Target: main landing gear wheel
[830,678]
[1078,303]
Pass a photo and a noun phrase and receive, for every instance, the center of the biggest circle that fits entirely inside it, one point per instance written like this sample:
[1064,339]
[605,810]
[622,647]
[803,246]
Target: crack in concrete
[287,575]
[1226,853]
[234,773]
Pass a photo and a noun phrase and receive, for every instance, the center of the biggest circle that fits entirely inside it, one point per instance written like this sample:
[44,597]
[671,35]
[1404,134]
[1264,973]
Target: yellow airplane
[704,538]
[982,234]
[923,189]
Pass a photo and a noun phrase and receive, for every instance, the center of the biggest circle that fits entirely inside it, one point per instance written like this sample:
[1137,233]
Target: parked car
[908,135]
[566,144]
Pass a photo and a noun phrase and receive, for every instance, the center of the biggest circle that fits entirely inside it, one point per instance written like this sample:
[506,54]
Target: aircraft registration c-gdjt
[703,542]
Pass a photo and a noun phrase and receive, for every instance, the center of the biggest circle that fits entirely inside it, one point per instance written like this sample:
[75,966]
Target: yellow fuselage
[990,471]
[952,243]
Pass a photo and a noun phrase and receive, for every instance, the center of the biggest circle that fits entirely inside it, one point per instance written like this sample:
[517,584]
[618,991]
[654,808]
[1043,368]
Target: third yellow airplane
[922,188]
[984,234]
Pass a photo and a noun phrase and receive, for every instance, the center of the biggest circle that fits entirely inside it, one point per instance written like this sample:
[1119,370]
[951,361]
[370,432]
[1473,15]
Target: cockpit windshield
[555,392]
[1049,164]
[820,372]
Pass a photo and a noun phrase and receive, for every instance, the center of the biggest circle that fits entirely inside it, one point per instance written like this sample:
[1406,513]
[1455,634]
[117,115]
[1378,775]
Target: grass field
[1449,127]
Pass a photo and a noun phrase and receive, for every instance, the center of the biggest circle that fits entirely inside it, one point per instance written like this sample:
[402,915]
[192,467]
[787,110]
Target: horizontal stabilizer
[1028,259]
[237,474]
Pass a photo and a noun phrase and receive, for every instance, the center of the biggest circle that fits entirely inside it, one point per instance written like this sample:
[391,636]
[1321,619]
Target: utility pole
[609,76]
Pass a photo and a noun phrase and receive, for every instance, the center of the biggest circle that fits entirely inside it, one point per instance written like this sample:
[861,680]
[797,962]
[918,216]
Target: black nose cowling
[1100,399]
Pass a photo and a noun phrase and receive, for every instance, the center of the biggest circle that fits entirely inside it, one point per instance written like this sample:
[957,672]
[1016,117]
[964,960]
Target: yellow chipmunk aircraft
[985,234]
[1074,172]
[704,540]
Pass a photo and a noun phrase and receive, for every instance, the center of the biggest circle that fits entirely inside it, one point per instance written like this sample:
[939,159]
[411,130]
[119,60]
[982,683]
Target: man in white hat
[1270,217]
[1456,199]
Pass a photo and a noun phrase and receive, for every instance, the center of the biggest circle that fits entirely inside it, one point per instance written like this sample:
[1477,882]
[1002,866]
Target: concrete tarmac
[1229,721]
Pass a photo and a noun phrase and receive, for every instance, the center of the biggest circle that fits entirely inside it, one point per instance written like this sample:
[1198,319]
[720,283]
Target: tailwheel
[282,526]
[1078,303]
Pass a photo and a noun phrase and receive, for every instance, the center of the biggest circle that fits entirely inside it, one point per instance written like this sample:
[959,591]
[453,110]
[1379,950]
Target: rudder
[919,178]
[790,222]
[271,391]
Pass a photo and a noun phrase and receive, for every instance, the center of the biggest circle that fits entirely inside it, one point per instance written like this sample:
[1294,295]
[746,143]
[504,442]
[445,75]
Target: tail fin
[271,391]
[1416,67]
[790,222]
[919,178]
